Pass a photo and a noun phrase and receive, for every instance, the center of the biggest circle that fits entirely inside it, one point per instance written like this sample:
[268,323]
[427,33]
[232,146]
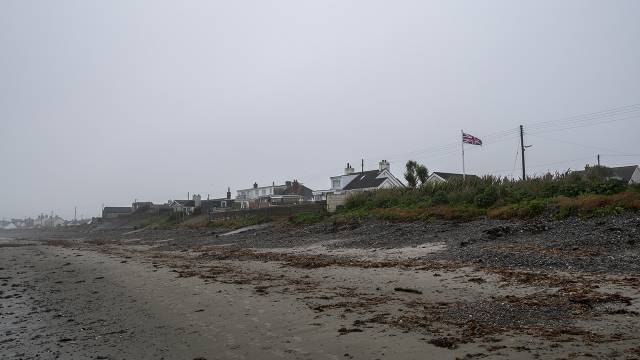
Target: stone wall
[272,211]
[335,200]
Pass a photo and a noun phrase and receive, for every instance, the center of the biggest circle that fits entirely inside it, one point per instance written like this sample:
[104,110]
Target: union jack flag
[470,139]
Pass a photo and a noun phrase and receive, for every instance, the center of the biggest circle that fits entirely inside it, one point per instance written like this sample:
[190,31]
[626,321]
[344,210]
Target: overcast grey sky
[108,101]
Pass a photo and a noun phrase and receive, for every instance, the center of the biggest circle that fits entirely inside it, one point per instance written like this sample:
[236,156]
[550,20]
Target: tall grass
[498,197]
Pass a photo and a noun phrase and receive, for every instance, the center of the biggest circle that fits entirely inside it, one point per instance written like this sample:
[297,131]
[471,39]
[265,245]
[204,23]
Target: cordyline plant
[416,174]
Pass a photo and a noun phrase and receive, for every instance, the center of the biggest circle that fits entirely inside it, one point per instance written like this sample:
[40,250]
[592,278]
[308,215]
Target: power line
[585,117]
[573,143]
[533,129]
[537,166]
[584,125]
[614,155]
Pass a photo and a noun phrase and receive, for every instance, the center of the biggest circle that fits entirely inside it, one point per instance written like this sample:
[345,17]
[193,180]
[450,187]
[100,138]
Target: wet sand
[69,304]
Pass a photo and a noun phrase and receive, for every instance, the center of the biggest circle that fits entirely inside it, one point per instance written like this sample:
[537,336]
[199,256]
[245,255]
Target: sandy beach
[73,295]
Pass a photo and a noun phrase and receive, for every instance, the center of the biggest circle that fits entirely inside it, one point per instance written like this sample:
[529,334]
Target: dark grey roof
[365,180]
[448,176]
[116,209]
[186,203]
[296,189]
[623,173]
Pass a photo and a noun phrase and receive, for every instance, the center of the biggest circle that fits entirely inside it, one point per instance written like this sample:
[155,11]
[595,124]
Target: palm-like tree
[416,174]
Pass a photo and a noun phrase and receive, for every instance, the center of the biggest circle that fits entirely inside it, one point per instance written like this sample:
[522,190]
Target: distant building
[627,174]
[112,212]
[222,204]
[439,177]
[187,207]
[141,206]
[10,226]
[291,192]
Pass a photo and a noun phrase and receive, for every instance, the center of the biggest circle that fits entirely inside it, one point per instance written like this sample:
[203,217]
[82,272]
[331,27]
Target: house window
[335,183]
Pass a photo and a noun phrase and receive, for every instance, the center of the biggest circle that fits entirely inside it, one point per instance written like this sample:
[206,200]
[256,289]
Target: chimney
[384,165]
[348,170]
[197,200]
[228,193]
[255,185]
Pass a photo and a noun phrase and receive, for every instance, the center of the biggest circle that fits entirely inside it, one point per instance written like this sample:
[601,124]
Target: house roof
[185,203]
[623,172]
[365,180]
[295,189]
[116,209]
[447,176]
[210,201]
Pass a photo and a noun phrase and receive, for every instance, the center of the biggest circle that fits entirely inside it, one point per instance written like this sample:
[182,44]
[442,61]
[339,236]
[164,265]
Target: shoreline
[319,295]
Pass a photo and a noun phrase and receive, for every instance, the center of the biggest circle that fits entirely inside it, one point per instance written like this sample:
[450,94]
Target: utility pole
[75,213]
[598,159]
[362,165]
[464,173]
[524,172]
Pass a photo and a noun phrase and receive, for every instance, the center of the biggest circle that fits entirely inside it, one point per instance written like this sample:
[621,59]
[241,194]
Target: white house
[342,186]
[352,181]
[10,226]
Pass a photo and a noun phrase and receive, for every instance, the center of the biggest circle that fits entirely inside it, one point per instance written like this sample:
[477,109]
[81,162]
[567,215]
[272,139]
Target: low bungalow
[627,174]
[291,192]
[440,177]
[112,212]
[186,207]
[222,204]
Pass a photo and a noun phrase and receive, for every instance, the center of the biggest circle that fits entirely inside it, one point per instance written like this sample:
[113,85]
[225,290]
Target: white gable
[391,181]
[635,177]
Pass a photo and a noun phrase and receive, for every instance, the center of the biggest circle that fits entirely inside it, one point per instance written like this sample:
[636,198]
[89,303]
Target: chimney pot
[384,165]
[348,170]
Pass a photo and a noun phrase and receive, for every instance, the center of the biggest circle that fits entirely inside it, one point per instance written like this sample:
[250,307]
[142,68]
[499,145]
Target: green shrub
[608,187]
[439,198]
[487,198]
[238,222]
[504,197]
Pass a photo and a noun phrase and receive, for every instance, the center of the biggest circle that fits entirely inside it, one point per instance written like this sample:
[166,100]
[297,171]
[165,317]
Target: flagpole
[464,174]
